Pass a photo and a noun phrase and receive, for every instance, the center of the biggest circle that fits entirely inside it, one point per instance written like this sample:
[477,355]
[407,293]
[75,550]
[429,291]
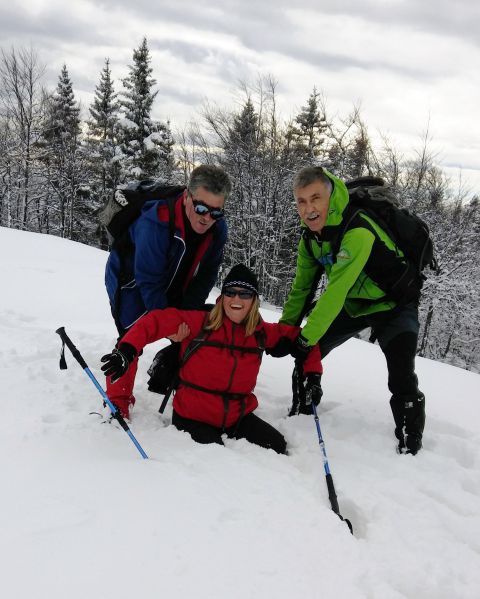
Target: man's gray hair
[213,178]
[308,175]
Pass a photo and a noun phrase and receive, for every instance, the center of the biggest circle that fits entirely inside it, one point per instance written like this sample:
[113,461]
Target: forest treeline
[59,163]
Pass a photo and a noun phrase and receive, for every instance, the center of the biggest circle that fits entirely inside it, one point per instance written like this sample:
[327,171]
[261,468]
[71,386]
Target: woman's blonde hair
[251,320]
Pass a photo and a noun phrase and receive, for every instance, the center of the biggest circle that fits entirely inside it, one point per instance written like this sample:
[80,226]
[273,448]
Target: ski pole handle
[69,343]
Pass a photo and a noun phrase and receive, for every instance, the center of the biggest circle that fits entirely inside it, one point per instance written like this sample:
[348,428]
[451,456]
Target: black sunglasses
[242,293]
[202,209]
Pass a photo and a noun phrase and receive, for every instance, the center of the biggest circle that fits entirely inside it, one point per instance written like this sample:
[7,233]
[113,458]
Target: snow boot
[409,416]
[414,423]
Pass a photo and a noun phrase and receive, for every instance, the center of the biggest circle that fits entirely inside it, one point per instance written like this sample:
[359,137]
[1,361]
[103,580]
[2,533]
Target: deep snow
[82,515]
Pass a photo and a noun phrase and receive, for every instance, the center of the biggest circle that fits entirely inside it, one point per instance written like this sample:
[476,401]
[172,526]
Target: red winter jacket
[225,370]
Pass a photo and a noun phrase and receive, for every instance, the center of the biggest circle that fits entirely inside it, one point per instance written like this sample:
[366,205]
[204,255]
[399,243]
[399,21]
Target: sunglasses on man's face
[201,208]
[242,293]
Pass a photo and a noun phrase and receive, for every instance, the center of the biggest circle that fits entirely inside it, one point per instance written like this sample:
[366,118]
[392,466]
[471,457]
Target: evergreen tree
[102,134]
[63,158]
[357,155]
[242,161]
[309,130]
[64,123]
[102,147]
[146,144]
[258,155]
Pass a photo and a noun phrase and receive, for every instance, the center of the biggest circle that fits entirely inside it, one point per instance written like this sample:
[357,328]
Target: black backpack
[400,277]
[120,211]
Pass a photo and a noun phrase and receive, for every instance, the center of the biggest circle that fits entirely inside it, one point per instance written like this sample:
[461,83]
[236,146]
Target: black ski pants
[251,427]
[397,334]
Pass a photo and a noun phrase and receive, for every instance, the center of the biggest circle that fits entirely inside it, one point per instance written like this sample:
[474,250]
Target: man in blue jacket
[168,268]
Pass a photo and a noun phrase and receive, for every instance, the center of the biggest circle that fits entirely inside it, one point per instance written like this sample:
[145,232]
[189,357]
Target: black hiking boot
[409,415]
[399,418]
[414,423]
[413,443]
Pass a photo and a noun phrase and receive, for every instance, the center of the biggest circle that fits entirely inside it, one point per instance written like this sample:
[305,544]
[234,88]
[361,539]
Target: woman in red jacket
[220,361]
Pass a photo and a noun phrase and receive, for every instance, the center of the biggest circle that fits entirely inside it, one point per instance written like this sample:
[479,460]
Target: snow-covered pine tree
[146,144]
[102,145]
[103,134]
[242,155]
[63,159]
[308,130]
[343,147]
[255,151]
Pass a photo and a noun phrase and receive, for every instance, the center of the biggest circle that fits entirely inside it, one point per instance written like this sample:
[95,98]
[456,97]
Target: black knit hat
[241,276]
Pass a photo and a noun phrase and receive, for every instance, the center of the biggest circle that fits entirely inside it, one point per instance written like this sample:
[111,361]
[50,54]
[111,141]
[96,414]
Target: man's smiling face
[312,204]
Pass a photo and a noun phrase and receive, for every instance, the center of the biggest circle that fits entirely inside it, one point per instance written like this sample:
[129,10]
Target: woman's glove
[116,364]
[282,348]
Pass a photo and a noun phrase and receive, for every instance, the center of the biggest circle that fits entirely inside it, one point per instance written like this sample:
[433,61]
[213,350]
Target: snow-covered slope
[82,515]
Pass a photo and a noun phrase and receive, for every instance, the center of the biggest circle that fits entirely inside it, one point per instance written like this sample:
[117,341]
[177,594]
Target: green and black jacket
[348,285]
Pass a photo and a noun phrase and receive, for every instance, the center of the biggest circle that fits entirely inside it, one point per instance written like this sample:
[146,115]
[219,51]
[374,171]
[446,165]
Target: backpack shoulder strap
[171,202]
[192,347]
[351,220]
[196,343]
[307,239]
[260,337]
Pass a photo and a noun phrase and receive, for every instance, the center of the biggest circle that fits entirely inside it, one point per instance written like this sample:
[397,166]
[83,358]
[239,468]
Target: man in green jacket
[351,300]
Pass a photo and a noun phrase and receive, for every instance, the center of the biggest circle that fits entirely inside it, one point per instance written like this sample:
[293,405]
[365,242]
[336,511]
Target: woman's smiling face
[235,307]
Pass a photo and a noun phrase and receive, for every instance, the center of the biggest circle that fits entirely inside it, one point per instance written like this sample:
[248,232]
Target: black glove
[116,364]
[301,349]
[282,348]
[313,389]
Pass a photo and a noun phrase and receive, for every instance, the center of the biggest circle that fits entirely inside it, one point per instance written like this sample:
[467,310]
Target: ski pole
[78,356]
[328,476]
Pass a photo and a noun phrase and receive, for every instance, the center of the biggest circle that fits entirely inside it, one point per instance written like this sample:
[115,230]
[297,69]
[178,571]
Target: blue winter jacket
[150,266]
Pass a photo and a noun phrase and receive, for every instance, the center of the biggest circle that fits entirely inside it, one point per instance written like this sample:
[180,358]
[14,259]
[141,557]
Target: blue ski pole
[328,476]
[78,356]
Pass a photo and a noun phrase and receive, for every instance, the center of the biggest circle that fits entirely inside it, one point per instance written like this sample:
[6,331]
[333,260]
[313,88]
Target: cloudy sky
[406,62]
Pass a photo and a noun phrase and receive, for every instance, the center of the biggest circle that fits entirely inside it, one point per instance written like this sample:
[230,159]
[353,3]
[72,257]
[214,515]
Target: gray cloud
[460,19]
[259,26]
[49,28]
[253,21]
[265,27]
[229,66]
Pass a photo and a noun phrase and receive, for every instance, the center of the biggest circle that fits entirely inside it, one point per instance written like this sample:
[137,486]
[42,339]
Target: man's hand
[301,349]
[313,389]
[182,333]
[281,349]
[116,364]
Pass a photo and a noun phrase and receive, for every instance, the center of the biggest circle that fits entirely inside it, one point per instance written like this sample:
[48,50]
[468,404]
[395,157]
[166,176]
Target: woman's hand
[182,333]
[116,364]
